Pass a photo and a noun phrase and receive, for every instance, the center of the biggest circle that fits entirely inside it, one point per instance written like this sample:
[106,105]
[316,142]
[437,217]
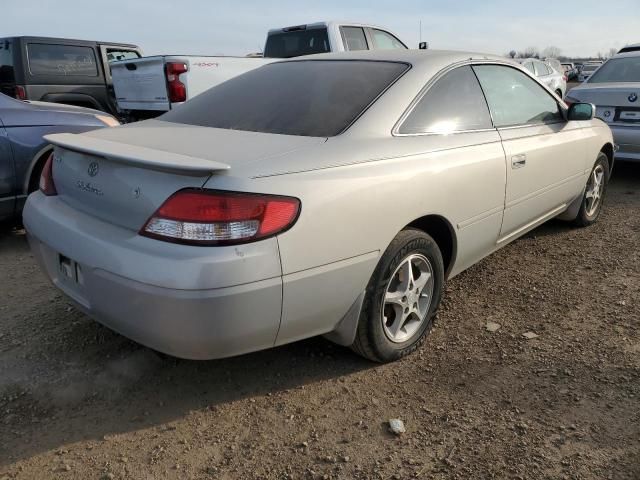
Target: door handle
[518,161]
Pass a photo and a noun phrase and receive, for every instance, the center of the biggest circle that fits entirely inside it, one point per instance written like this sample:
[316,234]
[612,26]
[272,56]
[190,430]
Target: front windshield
[625,69]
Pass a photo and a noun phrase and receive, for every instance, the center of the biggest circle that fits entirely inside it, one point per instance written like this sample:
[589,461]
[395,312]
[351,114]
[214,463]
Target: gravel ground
[78,401]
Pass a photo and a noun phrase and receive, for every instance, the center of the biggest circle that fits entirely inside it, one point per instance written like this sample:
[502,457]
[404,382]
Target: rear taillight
[21,93]
[177,90]
[213,217]
[46,178]
[564,77]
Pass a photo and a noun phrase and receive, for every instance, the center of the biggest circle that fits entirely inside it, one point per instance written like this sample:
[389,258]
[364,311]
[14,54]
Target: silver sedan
[615,89]
[328,195]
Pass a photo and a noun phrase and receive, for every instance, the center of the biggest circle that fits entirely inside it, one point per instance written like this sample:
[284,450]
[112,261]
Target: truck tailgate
[140,84]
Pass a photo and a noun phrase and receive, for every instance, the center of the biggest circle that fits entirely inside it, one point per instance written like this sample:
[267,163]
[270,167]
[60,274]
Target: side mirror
[423,45]
[581,111]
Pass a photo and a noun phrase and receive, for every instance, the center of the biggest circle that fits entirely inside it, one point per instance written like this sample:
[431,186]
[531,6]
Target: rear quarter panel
[350,214]
[29,146]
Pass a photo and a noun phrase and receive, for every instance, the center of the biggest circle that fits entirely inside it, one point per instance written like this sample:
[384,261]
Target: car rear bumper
[190,302]
[627,138]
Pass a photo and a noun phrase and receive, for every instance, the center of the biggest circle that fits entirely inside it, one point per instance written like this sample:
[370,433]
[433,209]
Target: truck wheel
[401,298]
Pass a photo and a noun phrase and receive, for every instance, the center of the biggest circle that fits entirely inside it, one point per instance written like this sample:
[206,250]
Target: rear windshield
[316,98]
[297,43]
[618,70]
[66,60]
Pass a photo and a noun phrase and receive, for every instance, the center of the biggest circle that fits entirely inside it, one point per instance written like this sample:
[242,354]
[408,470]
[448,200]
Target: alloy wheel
[407,298]
[595,190]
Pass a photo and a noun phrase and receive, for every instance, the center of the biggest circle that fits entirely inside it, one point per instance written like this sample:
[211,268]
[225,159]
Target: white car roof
[329,24]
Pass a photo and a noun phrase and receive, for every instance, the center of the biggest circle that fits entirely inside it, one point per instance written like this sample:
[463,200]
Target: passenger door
[7,176]
[545,154]
[449,128]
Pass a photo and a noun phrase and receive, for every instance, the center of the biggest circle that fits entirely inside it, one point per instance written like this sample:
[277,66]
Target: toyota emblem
[93,169]
[633,97]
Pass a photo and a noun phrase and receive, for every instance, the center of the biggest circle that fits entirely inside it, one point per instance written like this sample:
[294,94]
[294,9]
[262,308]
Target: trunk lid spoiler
[138,156]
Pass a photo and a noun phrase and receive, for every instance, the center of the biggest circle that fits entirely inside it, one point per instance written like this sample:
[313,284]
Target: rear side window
[514,98]
[385,41]
[529,66]
[6,61]
[354,38]
[541,69]
[454,103]
[315,98]
[115,55]
[296,43]
[65,60]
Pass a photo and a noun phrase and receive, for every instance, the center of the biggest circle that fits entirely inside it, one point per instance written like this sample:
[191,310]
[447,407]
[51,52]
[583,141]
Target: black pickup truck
[75,72]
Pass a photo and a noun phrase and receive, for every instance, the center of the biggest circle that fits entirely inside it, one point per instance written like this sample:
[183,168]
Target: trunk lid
[140,84]
[613,101]
[122,175]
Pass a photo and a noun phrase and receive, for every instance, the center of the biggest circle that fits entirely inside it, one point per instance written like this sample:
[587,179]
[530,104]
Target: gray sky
[211,27]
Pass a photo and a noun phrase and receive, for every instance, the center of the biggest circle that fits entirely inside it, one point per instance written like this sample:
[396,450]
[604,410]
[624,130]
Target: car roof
[413,57]
[68,40]
[635,53]
[325,24]
[632,47]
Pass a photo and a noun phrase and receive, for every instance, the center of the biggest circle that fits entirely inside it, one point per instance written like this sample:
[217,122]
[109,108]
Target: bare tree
[551,52]
[530,52]
[513,53]
[612,52]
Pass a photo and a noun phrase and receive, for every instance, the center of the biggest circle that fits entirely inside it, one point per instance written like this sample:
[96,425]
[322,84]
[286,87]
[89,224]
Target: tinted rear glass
[65,60]
[297,43]
[318,98]
[618,70]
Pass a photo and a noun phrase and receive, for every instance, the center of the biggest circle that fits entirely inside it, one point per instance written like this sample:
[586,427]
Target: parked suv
[74,72]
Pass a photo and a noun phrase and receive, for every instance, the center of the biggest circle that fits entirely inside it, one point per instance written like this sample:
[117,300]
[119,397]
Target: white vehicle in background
[548,75]
[588,69]
[150,86]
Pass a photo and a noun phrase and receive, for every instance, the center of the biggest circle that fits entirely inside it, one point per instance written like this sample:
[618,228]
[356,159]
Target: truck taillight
[21,93]
[46,184]
[213,217]
[177,90]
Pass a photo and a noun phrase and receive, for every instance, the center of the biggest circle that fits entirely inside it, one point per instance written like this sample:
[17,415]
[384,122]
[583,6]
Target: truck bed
[141,84]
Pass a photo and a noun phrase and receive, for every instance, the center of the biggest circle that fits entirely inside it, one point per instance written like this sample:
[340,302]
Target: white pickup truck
[149,86]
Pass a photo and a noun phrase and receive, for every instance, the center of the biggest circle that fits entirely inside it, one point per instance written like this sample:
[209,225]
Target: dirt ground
[78,401]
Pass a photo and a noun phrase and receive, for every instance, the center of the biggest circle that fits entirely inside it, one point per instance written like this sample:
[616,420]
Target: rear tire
[401,299]
[594,193]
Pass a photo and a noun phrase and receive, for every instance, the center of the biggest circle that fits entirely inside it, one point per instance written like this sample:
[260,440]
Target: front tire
[594,193]
[401,299]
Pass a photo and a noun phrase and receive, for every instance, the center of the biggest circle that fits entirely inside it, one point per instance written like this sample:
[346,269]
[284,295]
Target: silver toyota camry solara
[328,195]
